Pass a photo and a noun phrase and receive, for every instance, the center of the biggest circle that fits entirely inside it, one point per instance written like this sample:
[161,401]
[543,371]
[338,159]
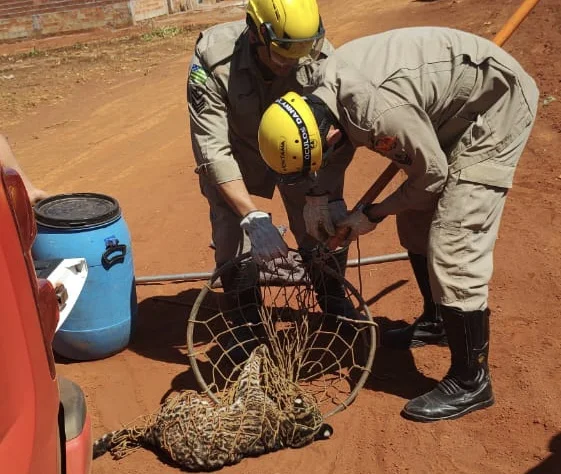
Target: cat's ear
[324,432]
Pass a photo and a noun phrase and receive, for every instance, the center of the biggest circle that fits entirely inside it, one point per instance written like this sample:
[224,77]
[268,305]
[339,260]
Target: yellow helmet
[289,138]
[289,28]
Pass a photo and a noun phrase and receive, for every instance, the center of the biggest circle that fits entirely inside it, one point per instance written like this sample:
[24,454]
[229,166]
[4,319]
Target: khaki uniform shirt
[435,101]
[227,96]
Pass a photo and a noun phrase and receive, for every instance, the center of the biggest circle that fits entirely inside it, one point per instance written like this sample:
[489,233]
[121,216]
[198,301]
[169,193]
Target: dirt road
[110,117]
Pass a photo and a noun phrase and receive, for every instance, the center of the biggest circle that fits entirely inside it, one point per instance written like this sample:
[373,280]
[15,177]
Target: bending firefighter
[237,70]
[454,112]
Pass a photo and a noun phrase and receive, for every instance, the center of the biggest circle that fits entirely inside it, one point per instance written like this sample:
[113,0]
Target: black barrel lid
[79,210]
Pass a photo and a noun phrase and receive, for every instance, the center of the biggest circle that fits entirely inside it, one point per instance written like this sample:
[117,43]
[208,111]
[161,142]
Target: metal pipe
[179,277]
[392,257]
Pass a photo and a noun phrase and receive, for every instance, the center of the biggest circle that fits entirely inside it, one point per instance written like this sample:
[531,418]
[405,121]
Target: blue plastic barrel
[91,226]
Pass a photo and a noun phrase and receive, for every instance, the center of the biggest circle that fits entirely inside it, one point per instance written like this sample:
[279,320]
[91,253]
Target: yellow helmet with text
[289,28]
[289,138]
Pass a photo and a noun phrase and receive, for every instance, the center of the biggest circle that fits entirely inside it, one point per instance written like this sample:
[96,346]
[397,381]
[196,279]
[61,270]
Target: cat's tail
[119,443]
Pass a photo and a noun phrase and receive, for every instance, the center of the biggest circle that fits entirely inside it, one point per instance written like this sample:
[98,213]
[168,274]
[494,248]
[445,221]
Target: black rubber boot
[241,286]
[427,328]
[331,294]
[467,386]
[330,291]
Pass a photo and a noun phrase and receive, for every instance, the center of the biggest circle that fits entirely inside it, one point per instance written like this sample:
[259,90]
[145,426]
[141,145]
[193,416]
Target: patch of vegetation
[34,53]
[161,32]
[167,32]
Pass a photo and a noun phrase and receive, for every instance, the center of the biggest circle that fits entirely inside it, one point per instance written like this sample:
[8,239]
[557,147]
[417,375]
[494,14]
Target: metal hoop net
[323,342]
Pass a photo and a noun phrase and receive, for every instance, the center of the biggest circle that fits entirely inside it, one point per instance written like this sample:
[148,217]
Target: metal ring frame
[362,307]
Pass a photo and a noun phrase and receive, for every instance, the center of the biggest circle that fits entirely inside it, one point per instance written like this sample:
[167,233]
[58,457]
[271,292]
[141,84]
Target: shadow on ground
[394,371]
[551,464]
[161,327]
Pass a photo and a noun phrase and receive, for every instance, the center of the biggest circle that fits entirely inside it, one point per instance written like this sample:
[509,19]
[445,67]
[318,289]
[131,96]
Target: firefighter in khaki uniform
[237,70]
[454,111]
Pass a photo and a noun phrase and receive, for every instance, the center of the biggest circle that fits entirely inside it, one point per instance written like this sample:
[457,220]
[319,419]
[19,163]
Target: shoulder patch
[390,147]
[385,144]
[197,75]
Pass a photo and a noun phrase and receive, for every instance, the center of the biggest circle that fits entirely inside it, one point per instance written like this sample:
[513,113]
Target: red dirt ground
[111,118]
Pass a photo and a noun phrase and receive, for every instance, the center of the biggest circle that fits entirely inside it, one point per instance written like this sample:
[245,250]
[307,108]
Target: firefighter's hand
[266,241]
[322,216]
[357,224]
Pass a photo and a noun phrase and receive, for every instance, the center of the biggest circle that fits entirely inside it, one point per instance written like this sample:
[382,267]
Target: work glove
[317,218]
[266,241]
[358,224]
[321,216]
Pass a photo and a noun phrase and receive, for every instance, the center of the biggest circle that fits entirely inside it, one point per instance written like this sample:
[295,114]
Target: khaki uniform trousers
[458,235]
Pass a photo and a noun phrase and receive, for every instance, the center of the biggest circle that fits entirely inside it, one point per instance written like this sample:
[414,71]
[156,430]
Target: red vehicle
[44,424]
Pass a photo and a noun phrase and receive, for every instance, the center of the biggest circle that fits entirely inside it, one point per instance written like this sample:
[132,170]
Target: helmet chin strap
[324,117]
[325,120]
[254,44]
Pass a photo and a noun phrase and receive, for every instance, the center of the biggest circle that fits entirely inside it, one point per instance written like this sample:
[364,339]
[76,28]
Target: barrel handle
[107,261]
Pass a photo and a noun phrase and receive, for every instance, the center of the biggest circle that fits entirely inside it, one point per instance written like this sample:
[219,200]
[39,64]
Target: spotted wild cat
[263,416]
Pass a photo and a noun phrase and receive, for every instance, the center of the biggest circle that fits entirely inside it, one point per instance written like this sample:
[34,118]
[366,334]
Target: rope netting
[320,340]
[262,412]
[286,346]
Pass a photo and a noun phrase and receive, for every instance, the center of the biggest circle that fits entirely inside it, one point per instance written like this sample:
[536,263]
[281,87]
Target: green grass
[34,53]
[161,33]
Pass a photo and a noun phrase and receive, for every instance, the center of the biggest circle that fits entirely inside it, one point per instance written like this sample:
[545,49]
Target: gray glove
[266,241]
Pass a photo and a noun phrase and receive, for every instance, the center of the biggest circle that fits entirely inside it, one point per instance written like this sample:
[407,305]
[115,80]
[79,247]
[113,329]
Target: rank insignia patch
[197,99]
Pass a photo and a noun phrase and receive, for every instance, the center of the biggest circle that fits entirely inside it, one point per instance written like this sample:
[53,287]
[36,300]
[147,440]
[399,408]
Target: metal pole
[178,277]
[392,257]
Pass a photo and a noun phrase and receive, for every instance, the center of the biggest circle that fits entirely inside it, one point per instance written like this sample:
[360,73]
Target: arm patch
[197,75]
[197,98]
